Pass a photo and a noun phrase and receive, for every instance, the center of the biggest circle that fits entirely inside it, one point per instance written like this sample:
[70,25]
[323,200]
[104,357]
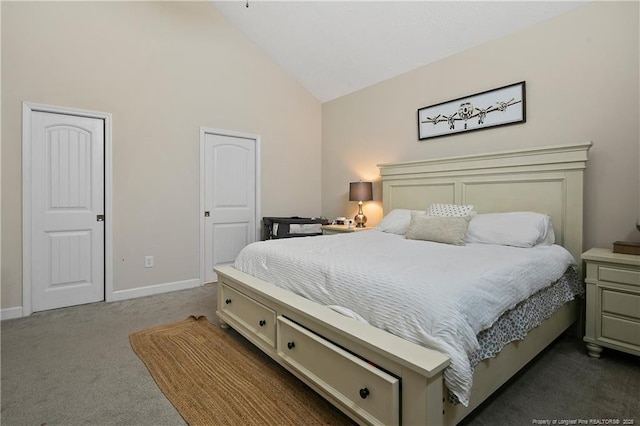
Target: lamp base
[360,219]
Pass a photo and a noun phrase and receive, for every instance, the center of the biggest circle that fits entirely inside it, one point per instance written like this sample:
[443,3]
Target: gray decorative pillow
[448,230]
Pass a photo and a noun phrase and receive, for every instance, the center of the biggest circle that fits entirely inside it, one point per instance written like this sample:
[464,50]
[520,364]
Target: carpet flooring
[76,366]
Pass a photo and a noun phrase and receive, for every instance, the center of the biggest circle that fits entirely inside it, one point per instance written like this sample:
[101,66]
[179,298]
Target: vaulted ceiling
[334,48]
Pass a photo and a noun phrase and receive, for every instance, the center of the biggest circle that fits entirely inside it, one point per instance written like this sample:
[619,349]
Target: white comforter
[436,295]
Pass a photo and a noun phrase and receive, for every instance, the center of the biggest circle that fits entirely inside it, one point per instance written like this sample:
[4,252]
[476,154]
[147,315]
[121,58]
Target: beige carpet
[216,377]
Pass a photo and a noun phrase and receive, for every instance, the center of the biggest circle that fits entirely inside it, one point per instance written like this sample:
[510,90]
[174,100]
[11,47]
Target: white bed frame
[343,353]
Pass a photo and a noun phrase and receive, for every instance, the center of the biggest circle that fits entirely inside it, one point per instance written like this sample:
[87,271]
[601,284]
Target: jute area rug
[216,377]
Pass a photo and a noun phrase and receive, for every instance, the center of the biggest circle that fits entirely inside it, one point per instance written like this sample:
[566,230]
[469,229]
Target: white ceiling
[334,48]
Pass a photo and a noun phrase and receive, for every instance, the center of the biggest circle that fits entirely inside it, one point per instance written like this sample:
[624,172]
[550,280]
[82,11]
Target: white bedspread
[436,295]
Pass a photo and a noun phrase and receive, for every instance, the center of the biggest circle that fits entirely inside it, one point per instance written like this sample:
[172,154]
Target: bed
[375,376]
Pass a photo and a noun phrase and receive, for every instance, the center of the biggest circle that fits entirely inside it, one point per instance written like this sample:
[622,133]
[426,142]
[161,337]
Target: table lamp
[360,191]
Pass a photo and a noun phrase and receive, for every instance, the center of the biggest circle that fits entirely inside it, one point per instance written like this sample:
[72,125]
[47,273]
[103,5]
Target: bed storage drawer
[367,391]
[252,315]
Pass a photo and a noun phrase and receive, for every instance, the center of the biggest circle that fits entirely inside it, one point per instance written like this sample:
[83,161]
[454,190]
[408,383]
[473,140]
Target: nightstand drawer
[621,303]
[621,330]
[617,275]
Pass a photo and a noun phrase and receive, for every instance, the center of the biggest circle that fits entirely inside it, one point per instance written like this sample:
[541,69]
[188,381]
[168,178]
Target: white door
[230,195]
[67,210]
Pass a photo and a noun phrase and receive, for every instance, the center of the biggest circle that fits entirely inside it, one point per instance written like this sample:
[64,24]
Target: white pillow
[449,210]
[396,222]
[550,238]
[518,229]
[448,230]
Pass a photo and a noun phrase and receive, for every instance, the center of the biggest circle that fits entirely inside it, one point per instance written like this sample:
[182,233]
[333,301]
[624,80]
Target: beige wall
[582,75]
[163,69]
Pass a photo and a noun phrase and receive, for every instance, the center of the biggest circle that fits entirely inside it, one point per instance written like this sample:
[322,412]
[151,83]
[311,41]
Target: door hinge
[100,218]
[206,214]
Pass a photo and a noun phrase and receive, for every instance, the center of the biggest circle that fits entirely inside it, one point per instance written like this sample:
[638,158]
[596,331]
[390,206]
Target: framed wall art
[497,107]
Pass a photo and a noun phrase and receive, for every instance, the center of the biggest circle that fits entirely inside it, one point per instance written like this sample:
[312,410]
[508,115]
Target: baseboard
[154,289]
[16,312]
[11,313]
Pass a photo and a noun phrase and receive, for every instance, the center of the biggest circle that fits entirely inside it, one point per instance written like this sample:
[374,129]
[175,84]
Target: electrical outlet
[148,261]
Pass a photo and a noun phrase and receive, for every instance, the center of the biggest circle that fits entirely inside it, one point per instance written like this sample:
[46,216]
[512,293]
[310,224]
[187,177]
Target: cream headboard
[545,180]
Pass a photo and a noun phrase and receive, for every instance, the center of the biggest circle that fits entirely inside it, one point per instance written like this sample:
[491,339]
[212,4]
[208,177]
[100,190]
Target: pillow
[550,238]
[518,229]
[448,230]
[396,222]
[449,210]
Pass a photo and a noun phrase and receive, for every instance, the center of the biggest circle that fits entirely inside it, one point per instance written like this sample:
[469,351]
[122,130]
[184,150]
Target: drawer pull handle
[262,323]
[228,301]
[364,393]
[291,345]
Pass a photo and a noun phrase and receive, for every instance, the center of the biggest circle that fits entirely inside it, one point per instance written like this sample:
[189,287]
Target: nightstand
[613,301]
[340,229]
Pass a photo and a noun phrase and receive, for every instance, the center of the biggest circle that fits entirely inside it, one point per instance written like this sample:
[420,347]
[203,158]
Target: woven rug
[216,377]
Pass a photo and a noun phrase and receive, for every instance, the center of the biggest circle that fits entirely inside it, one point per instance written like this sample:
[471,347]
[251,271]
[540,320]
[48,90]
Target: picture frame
[502,106]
